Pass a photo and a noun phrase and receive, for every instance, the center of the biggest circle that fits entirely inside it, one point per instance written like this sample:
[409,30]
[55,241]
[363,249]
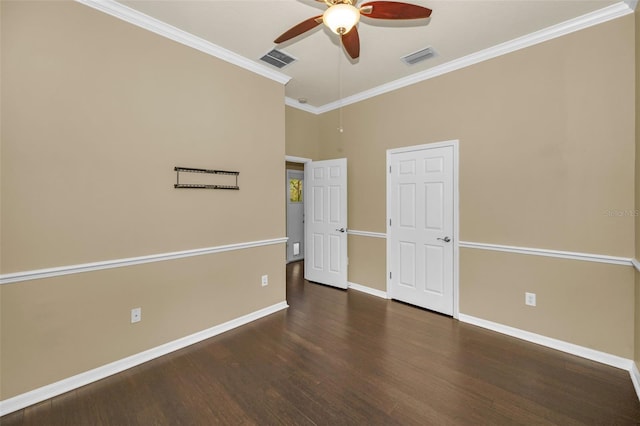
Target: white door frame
[456,215]
[292,159]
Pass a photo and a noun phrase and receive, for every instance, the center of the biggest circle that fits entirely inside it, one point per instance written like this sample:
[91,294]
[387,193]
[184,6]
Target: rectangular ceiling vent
[277,58]
[419,56]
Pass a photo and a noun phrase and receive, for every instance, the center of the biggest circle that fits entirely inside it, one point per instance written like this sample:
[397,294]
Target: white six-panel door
[325,207]
[420,238]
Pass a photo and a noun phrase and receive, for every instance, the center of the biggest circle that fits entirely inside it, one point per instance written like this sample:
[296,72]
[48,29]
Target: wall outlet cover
[530,299]
[136,315]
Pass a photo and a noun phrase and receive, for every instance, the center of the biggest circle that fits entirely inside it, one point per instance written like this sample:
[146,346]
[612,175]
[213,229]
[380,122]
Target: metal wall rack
[202,185]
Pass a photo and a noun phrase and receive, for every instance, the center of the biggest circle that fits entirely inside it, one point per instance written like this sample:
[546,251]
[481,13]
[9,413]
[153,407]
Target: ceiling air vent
[277,58]
[420,55]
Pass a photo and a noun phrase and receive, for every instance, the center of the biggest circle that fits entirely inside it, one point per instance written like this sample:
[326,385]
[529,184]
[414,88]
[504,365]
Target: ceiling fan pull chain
[340,128]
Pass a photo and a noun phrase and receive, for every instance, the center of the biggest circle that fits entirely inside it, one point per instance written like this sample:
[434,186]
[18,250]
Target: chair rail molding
[589,257]
[366,233]
[119,263]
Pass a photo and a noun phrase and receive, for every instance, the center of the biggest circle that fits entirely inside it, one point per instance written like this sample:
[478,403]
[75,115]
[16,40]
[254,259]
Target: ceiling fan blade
[393,10]
[351,43]
[302,27]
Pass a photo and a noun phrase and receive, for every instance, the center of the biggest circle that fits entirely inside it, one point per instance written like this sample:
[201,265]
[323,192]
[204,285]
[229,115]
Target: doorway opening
[295,211]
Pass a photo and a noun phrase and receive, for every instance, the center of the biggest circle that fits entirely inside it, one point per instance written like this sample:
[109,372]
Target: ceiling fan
[342,16]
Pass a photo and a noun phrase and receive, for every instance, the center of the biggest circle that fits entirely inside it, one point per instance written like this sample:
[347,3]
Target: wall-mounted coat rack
[205,185]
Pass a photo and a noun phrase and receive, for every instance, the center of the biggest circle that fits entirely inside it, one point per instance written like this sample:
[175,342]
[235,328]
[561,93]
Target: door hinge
[389,222]
[389,169]
[389,275]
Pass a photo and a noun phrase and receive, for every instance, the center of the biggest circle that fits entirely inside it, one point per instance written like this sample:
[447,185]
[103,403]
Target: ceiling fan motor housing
[341,18]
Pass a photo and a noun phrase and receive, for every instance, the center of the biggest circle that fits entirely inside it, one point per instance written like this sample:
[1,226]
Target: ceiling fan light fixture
[340,18]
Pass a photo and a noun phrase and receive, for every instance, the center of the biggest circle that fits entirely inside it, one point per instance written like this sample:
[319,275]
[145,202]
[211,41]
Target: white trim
[581,351]
[119,263]
[456,212]
[589,257]
[368,290]
[292,159]
[366,233]
[163,29]
[636,264]
[635,378]
[293,103]
[49,391]
[591,19]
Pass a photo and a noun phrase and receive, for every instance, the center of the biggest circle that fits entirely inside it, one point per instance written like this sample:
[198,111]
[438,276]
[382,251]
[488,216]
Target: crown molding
[304,107]
[163,29]
[576,24]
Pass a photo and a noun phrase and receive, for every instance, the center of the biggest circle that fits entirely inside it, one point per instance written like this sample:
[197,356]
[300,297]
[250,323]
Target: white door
[325,230]
[295,215]
[420,211]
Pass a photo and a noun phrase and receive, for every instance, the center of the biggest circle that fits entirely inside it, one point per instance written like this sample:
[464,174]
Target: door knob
[445,239]
[341,230]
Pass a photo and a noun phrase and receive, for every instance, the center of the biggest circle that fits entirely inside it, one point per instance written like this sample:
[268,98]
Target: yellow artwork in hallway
[295,190]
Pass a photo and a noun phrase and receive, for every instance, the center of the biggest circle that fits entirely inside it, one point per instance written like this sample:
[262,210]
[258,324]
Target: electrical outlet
[136,315]
[265,280]
[530,299]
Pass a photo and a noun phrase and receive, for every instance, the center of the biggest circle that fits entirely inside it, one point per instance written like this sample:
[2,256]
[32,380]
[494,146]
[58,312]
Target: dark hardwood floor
[336,357]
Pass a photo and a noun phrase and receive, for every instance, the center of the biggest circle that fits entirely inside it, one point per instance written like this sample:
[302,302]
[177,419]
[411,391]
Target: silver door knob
[445,239]
[341,230]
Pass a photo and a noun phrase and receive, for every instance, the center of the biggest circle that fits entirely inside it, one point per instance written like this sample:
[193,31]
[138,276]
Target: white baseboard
[635,378]
[368,290]
[581,351]
[54,389]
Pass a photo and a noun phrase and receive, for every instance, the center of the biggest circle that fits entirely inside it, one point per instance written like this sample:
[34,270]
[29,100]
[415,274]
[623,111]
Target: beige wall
[361,249]
[536,130]
[585,303]
[1,67]
[96,113]
[302,133]
[58,327]
[637,195]
[546,150]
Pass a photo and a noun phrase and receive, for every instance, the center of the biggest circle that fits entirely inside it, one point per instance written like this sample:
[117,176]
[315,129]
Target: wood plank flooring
[340,358]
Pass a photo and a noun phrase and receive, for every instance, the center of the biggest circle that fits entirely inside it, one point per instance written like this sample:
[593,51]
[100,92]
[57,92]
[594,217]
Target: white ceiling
[323,73]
